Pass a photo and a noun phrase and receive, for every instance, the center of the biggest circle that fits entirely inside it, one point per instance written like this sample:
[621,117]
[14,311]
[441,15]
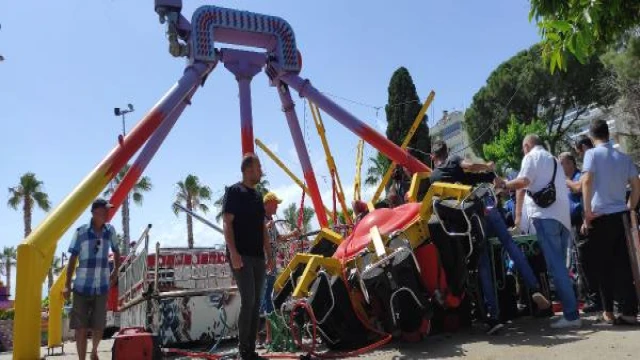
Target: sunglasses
[97,246]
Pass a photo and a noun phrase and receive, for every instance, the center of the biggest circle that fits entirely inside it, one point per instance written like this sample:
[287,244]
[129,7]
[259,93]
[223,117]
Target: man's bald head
[533,140]
[530,141]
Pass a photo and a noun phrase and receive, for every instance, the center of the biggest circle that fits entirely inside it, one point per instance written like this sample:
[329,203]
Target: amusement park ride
[388,276]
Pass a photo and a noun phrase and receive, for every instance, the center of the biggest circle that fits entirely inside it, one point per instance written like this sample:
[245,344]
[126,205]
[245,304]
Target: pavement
[525,338]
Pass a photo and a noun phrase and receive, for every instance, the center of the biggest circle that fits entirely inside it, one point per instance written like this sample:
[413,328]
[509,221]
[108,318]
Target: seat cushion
[387,221]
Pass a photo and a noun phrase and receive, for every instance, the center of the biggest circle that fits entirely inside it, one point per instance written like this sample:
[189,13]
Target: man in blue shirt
[579,249]
[90,247]
[606,216]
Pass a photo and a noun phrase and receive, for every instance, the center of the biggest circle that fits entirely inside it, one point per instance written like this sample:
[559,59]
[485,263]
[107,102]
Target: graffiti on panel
[175,319]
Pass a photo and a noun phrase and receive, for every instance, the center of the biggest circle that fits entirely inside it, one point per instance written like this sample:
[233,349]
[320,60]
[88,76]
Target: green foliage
[522,87]
[377,168]
[192,194]
[506,149]
[402,108]
[7,314]
[292,212]
[582,28]
[137,192]
[28,192]
[625,62]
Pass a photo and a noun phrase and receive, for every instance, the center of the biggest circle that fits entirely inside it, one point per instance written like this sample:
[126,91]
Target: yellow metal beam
[404,145]
[56,302]
[331,164]
[284,168]
[357,194]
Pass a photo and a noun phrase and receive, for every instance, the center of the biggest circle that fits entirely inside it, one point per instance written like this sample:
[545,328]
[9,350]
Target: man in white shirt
[551,219]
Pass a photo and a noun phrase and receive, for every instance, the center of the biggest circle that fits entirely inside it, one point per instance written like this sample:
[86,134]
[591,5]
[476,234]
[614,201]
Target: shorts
[88,311]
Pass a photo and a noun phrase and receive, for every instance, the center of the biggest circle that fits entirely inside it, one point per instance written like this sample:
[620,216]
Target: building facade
[451,129]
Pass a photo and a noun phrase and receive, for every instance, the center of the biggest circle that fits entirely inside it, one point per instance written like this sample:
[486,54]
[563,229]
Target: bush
[7,314]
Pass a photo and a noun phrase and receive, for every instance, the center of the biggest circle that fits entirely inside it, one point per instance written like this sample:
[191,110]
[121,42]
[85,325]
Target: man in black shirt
[247,241]
[454,169]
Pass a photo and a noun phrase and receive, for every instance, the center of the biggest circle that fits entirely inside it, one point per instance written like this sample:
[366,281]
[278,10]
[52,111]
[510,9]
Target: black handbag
[547,196]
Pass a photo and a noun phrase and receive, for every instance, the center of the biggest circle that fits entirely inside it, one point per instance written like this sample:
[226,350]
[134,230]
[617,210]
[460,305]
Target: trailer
[183,295]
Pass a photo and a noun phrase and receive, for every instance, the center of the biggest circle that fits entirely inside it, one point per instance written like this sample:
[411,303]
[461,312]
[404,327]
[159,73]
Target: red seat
[387,221]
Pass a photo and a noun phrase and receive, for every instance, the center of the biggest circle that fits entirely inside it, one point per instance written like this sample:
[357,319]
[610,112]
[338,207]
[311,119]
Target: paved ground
[523,339]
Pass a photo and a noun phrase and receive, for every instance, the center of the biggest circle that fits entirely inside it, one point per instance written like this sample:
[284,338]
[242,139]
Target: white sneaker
[566,324]
[541,301]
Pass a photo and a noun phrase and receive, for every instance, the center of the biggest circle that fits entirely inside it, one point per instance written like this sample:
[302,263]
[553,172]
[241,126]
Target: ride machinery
[385,276]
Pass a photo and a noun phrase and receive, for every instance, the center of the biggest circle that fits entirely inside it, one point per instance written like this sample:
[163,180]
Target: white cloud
[381,125]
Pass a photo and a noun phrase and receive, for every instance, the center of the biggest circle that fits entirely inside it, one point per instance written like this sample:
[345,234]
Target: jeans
[496,227]
[250,281]
[610,259]
[267,303]
[553,238]
[486,284]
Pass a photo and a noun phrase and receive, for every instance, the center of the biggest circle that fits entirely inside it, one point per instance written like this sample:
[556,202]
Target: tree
[581,27]
[506,149]
[143,185]
[521,86]
[402,107]
[377,168]
[262,187]
[28,192]
[54,270]
[341,218]
[624,63]
[191,194]
[8,259]
[292,214]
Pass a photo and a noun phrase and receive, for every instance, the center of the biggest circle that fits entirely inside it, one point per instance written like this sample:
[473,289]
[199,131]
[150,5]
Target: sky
[69,63]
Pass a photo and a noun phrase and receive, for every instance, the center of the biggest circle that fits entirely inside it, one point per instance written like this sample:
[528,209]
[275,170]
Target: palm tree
[29,192]
[292,213]
[378,167]
[262,187]
[8,259]
[191,194]
[54,270]
[143,185]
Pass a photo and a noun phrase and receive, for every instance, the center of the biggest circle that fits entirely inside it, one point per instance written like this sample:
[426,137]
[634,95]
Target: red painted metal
[387,221]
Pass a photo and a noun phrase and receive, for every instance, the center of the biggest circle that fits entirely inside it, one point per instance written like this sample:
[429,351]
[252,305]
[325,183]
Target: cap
[100,203]
[271,197]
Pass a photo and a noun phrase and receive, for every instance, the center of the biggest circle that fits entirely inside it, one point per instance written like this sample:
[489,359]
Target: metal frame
[195,40]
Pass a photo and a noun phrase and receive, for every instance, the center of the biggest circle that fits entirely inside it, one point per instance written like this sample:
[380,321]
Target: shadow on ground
[522,332]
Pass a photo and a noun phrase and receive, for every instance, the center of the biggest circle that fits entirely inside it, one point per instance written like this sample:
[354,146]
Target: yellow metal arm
[284,168]
[404,145]
[317,119]
[356,184]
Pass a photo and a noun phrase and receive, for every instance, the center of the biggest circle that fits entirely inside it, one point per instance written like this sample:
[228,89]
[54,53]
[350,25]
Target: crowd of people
[580,218]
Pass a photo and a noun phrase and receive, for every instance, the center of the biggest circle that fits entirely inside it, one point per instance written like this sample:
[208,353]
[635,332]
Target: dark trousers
[250,280]
[586,266]
[611,262]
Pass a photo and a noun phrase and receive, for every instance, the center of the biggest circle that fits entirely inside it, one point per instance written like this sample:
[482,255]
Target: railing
[190,269]
[132,282]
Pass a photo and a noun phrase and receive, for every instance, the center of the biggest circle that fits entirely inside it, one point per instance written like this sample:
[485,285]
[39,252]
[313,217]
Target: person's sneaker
[493,326]
[563,323]
[591,307]
[541,301]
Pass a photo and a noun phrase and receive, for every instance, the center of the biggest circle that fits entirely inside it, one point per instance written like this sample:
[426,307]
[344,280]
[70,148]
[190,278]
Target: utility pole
[125,204]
